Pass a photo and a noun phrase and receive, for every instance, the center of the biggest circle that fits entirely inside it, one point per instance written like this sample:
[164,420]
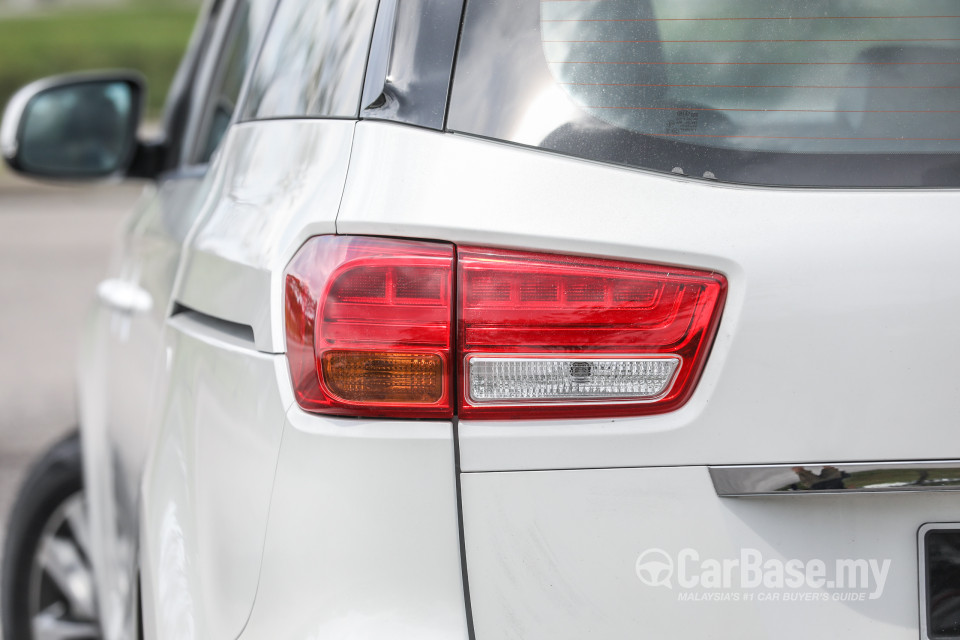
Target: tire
[47,582]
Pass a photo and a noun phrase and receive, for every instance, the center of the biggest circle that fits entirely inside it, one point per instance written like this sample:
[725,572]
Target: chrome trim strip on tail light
[857,477]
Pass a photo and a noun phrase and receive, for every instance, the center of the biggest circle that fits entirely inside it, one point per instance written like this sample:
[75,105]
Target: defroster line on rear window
[743,19]
[661,62]
[778,110]
[707,135]
[746,86]
[749,41]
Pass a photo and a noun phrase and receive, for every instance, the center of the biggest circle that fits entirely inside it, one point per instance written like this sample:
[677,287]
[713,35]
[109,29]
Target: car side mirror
[78,126]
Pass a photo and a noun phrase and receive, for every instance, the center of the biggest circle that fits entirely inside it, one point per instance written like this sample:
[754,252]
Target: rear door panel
[118,362]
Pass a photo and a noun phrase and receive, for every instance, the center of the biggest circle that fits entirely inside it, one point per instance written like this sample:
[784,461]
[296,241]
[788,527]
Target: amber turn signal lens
[380,376]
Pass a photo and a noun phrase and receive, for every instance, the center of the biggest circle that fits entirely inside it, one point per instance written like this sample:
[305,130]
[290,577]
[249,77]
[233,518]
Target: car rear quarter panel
[363,538]
[207,485]
[220,400]
[277,183]
[263,521]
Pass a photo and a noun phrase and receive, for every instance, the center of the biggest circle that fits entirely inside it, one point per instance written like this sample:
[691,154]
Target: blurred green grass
[149,36]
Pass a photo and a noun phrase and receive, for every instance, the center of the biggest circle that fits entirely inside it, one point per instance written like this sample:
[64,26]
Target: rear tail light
[557,336]
[370,326]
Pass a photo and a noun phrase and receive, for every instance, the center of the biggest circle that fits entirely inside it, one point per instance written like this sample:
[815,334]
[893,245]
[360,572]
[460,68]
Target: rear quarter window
[827,93]
[313,60]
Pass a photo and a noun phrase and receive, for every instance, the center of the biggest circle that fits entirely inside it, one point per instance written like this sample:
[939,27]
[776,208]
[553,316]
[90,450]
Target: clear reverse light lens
[495,380]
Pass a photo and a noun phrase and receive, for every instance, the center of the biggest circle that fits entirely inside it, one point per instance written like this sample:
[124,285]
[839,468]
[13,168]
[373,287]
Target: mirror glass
[79,130]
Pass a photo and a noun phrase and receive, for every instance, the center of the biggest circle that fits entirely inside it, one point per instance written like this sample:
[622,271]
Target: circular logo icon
[655,568]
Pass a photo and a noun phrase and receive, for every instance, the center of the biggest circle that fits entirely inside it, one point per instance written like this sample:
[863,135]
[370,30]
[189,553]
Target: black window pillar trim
[411,60]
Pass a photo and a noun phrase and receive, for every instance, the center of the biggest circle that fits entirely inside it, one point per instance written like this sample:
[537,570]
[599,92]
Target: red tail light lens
[369,331]
[369,327]
[555,336]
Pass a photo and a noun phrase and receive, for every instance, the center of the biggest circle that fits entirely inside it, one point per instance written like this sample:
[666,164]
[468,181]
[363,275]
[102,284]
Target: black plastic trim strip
[414,50]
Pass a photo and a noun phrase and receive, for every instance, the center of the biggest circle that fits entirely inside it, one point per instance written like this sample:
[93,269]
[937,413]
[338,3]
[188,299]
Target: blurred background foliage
[45,37]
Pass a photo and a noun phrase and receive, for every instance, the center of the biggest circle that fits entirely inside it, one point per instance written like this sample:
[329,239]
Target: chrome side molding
[835,478]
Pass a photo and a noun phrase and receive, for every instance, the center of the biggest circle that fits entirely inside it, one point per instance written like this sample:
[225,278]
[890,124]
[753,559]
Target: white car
[534,319]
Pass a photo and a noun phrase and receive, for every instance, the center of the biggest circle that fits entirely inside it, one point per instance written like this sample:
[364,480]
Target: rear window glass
[818,93]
